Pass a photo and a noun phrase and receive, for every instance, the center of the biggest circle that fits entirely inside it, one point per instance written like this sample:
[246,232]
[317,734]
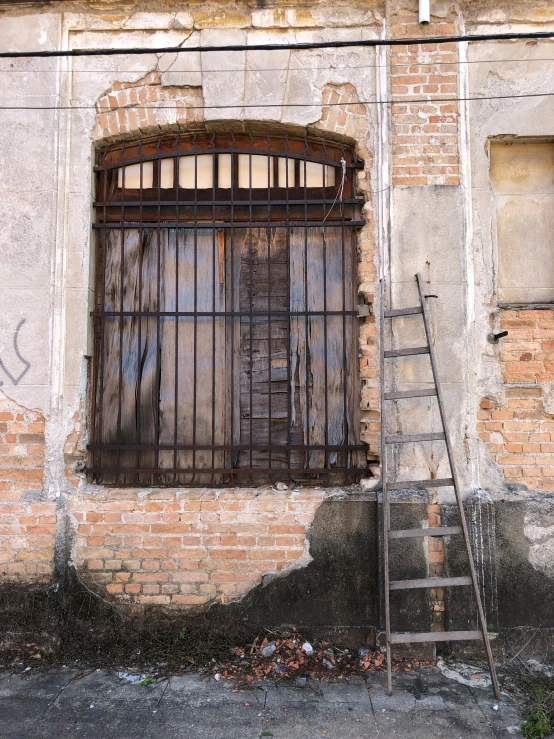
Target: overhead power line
[253,70]
[228,106]
[305,46]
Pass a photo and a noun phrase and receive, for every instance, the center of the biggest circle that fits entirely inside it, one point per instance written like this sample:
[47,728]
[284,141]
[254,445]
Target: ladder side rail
[385,494]
[454,474]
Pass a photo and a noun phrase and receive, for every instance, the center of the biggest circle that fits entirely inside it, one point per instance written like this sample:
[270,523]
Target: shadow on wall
[336,595]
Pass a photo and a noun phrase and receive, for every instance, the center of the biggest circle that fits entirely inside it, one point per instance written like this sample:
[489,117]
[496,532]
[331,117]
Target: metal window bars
[225,312]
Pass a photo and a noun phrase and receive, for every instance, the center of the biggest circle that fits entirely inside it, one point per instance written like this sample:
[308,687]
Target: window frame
[224,211]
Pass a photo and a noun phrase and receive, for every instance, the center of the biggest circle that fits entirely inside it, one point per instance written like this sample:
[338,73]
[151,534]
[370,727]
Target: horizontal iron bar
[407,352]
[429,582]
[219,314]
[433,636]
[223,470]
[420,484]
[229,447]
[236,202]
[226,224]
[431,531]
[409,438]
[428,392]
[403,312]
[226,150]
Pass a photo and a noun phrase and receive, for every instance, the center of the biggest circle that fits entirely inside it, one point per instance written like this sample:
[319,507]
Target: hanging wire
[340,190]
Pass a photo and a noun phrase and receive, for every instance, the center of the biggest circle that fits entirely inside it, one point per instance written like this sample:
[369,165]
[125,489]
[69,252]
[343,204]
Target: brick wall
[188,549]
[518,433]
[119,115]
[424,134]
[343,114]
[27,528]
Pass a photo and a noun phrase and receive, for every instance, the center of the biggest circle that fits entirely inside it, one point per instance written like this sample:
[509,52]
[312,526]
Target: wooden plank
[409,438]
[398,394]
[403,312]
[407,352]
[221,254]
[322,347]
[108,398]
[429,582]
[261,283]
[420,484]
[431,531]
[435,636]
[334,378]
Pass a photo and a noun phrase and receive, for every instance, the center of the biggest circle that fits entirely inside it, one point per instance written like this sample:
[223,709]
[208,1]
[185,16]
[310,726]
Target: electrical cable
[305,46]
[396,101]
[327,67]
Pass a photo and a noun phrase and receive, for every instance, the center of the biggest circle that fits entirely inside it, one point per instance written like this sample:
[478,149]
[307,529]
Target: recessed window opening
[522,179]
[225,313]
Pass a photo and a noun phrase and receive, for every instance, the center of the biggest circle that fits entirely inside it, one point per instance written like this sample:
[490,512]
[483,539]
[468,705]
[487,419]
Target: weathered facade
[454,149]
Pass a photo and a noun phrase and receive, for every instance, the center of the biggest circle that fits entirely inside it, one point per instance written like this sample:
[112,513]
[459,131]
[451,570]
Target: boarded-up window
[226,316]
[522,176]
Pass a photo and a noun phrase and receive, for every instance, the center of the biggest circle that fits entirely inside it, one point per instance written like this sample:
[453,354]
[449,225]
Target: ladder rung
[420,484]
[429,582]
[430,531]
[403,312]
[407,352]
[411,394]
[435,636]
[414,437]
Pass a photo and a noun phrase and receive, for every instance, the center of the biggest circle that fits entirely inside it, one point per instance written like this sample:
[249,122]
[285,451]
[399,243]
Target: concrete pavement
[70,704]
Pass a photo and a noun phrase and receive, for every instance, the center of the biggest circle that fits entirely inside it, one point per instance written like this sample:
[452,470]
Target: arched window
[225,312]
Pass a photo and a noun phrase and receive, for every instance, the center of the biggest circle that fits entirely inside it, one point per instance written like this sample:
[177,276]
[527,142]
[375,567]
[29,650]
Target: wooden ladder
[387,440]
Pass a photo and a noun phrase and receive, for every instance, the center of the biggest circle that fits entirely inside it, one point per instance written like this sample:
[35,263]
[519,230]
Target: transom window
[225,312]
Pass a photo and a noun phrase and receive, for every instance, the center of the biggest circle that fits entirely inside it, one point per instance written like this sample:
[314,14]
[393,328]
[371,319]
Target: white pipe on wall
[424,11]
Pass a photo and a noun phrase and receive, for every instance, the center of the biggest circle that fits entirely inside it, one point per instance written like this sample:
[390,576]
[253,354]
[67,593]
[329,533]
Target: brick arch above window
[148,107]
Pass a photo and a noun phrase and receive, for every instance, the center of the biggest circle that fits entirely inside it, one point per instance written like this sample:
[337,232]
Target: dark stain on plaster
[514,592]
[337,594]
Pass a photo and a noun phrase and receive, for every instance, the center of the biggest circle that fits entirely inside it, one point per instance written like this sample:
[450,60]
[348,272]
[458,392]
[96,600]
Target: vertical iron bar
[176,368]
[288,300]
[306,308]
[344,359]
[215,286]
[235,299]
[195,319]
[139,332]
[121,283]
[326,464]
[269,340]
[385,493]
[158,321]
[251,309]
[345,427]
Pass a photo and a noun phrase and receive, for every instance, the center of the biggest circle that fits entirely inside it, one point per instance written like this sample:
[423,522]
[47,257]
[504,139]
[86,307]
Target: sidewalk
[67,704]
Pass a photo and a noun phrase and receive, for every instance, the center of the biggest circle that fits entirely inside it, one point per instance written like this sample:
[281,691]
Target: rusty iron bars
[225,312]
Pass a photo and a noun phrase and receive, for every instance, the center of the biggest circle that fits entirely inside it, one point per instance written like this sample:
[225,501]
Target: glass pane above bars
[130,177]
[196,172]
[312,174]
[256,171]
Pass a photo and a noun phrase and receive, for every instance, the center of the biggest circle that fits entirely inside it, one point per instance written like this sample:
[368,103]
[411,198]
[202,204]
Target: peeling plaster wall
[424,214]
[179,547]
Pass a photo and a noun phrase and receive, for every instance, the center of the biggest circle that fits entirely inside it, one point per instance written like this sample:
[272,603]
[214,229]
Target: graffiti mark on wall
[16,379]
